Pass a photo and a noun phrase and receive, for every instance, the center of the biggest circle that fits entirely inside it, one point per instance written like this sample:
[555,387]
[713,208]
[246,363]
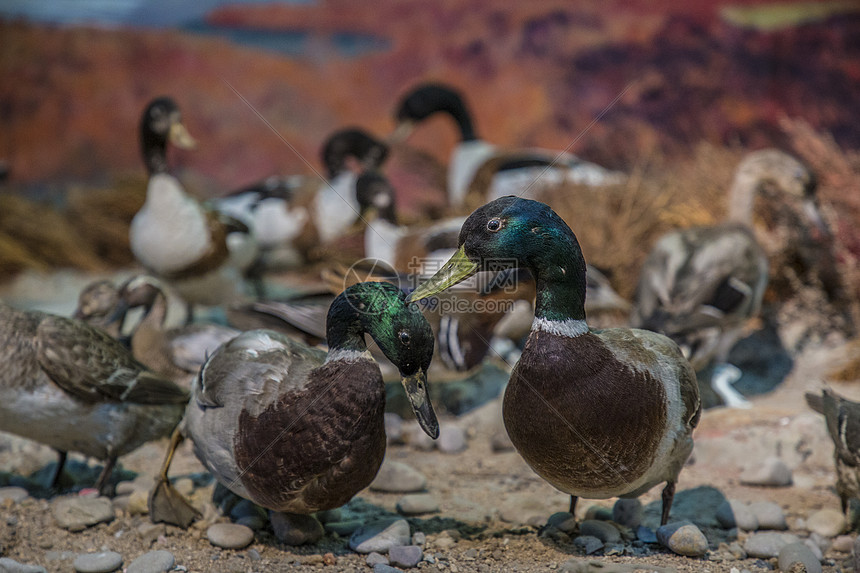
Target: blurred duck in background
[291,216]
[479,171]
[701,286]
[199,251]
[72,387]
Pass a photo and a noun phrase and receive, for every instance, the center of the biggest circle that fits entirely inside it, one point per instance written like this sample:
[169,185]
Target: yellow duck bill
[418,394]
[180,137]
[456,270]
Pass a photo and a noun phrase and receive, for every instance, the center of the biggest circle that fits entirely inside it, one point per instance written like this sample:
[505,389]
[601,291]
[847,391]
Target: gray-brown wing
[90,365]
[255,369]
[700,278]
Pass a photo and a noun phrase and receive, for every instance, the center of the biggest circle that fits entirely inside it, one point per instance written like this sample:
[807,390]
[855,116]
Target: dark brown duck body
[331,446]
[588,423]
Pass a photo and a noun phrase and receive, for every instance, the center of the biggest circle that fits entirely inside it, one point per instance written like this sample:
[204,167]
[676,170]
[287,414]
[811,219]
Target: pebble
[185,486]
[599,512]
[735,513]
[138,502]
[295,529]
[344,528]
[104,562]
[374,558]
[230,535]
[843,544]
[767,544]
[78,513]
[417,503]
[254,555]
[772,472]
[405,556]
[646,534]
[16,494]
[563,521]
[588,544]
[152,562]
[397,477]
[451,440]
[816,549]
[11,566]
[419,538]
[826,522]
[249,514]
[683,538]
[328,515]
[627,512]
[394,428]
[769,515]
[798,553]
[602,530]
[501,442]
[149,532]
[383,568]
[417,438]
[380,536]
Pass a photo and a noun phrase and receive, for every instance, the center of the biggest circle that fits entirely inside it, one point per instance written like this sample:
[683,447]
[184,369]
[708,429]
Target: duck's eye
[404,337]
[494,224]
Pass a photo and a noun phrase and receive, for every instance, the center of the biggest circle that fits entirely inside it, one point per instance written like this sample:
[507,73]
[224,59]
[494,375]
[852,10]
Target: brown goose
[72,387]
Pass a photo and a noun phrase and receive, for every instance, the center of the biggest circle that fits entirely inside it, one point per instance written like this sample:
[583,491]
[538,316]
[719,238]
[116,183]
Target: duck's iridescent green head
[513,232]
[399,329]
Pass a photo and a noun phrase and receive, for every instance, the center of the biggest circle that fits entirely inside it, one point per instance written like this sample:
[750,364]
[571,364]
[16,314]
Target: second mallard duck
[297,430]
[597,414]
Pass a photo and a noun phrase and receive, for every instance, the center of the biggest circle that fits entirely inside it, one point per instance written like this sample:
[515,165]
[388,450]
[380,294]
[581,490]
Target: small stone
[417,503]
[149,532]
[627,512]
[329,559]
[296,529]
[78,513]
[397,477]
[152,562]
[374,558]
[103,562]
[772,472]
[394,428]
[767,544]
[826,522]
[735,513]
[451,440]
[599,512]
[230,535]
[344,528]
[815,548]
[604,531]
[843,543]
[11,566]
[794,553]
[563,521]
[769,515]
[185,486]
[588,544]
[501,442]
[444,542]
[380,536]
[249,514]
[419,538]
[383,568]
[14,493]
[417,438]
[405,556]
[329,515]
[138,502]
[683,538]
[125,488]
[646,534]
[254,555]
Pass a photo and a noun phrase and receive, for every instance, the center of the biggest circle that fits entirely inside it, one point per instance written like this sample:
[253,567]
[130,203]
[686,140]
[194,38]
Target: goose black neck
[154,147]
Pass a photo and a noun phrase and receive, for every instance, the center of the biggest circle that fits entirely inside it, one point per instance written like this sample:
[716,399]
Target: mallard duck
[199,251]
[701,286]
[520,172]
[176,353]
[72,387]
[596,413]
[843,424]
[298,430]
